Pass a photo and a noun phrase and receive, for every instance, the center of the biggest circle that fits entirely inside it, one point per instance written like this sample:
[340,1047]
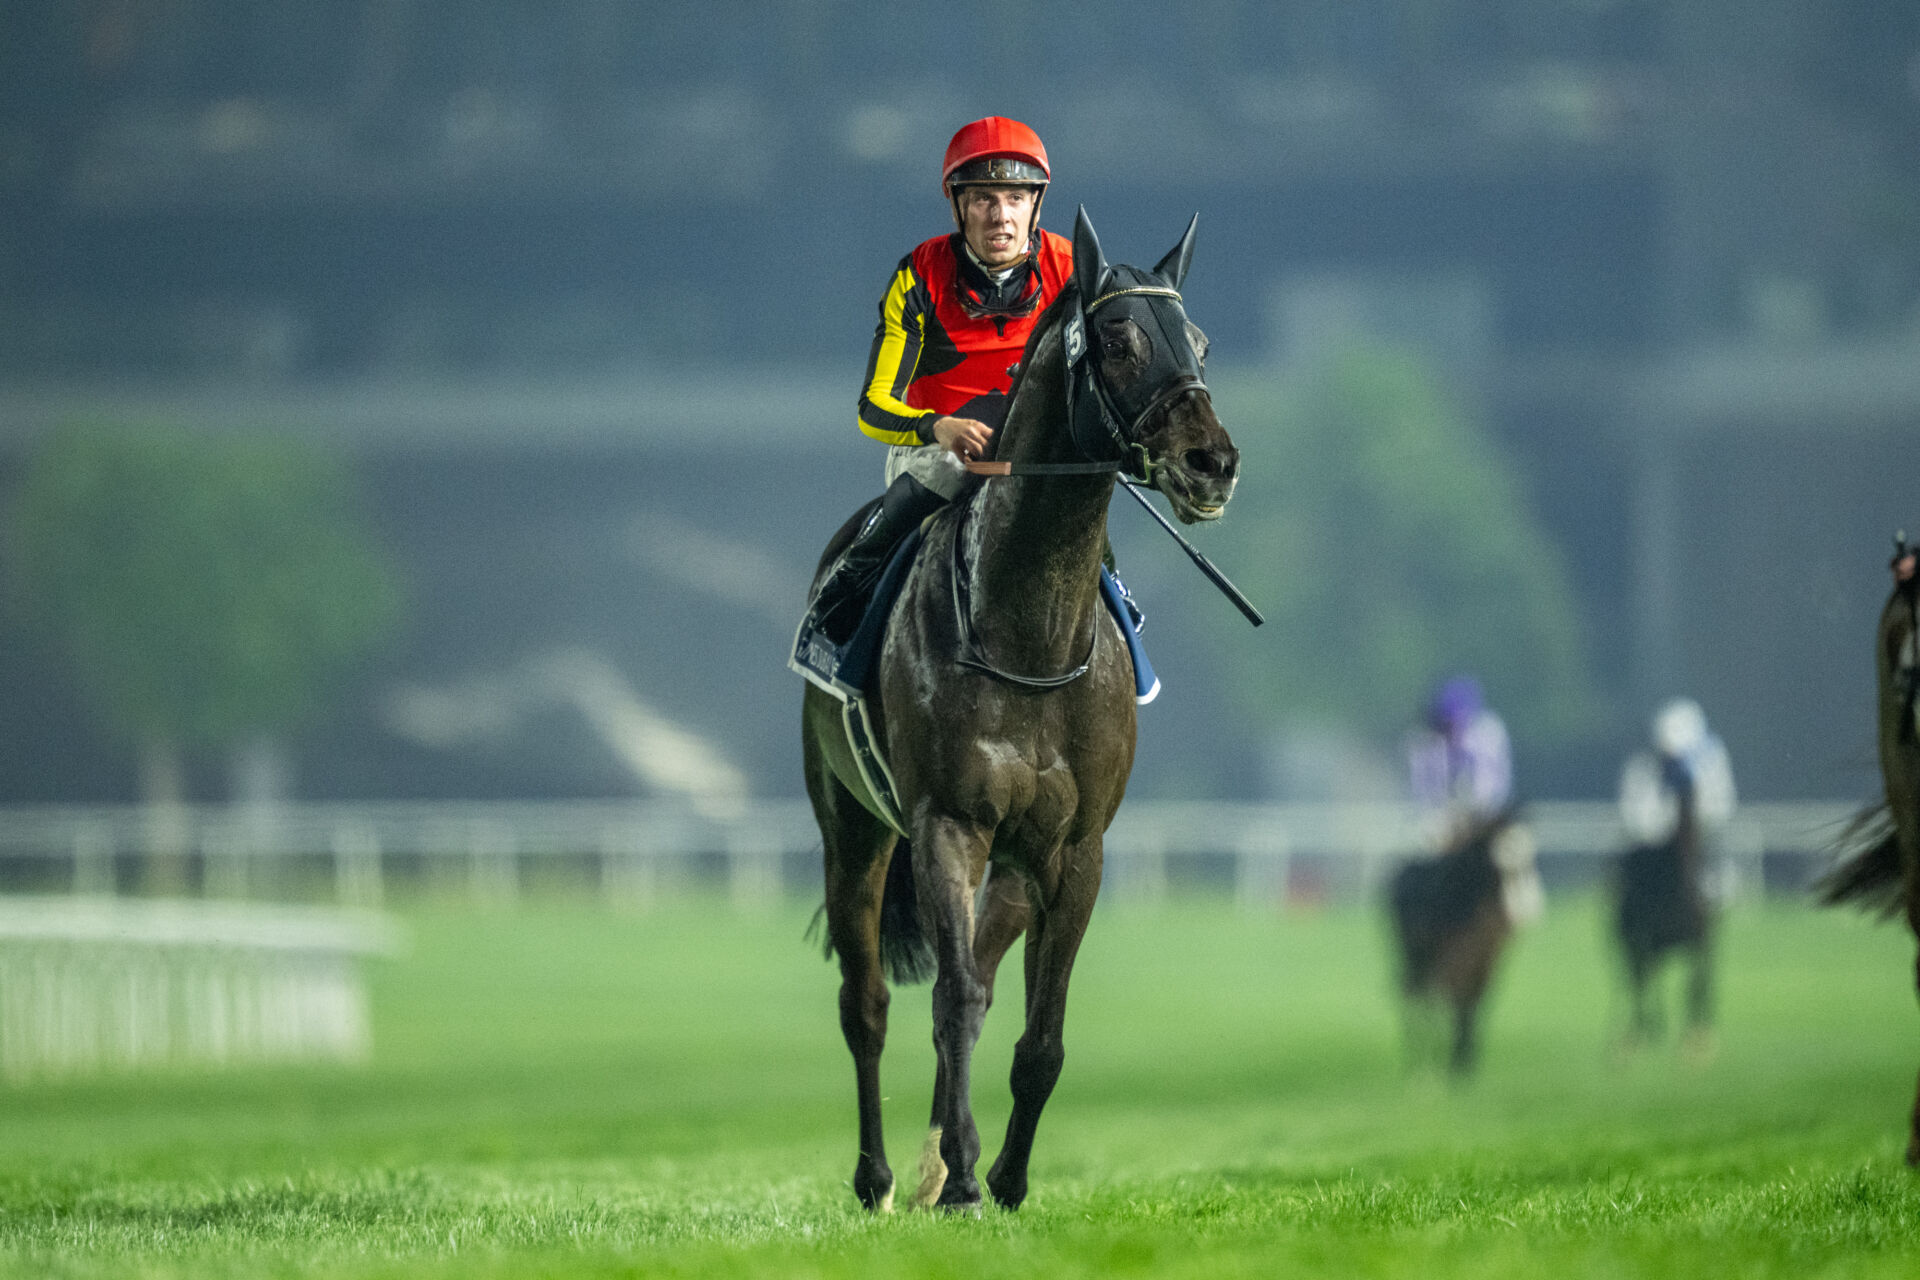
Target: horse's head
[1146,366]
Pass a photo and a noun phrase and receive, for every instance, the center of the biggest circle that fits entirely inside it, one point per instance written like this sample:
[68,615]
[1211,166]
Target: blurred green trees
[201,587]
[1389,541]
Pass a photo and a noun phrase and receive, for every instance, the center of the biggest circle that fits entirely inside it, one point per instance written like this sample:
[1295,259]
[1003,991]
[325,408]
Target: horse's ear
[1173,267]
[1090,269]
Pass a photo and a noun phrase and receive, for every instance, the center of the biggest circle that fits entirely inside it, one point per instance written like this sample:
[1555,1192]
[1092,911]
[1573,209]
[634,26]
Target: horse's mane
[1048,320]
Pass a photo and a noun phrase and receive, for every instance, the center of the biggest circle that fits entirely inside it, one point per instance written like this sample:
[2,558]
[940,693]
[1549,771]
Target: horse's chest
[1028,793]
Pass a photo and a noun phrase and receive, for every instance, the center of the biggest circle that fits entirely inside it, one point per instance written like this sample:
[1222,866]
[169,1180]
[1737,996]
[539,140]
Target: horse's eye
[1199,343]
[1115,347]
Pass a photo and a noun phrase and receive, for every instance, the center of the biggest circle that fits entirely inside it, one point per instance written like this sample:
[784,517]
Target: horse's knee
[863,1015]
[1037,1062]
[962,993]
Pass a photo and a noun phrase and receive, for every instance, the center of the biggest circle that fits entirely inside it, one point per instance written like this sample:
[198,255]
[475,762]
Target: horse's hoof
[1913,1152]
[874,1187]
[1006,1193]
[962,1196]
[1009,1199]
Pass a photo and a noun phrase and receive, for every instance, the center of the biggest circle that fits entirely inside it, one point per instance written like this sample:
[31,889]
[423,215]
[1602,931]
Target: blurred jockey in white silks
[1460,765]
[1685,762]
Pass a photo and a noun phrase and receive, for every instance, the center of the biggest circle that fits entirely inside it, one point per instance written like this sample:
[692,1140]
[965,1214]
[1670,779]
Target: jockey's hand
[966,437]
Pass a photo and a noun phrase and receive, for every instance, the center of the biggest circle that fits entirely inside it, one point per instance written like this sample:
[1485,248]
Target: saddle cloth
[857,659]
[862,651]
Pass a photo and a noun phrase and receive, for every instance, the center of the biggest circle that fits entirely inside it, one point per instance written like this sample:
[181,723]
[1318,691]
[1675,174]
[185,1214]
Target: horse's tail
[1869,875]
[906,952]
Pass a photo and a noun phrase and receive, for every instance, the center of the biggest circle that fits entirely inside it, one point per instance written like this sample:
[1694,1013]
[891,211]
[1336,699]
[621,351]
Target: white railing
[635,850]
[93,983]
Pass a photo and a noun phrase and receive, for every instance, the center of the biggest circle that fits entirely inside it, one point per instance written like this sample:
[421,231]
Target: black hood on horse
[1124,311]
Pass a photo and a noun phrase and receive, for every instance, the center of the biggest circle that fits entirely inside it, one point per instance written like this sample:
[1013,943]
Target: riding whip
[1219,579]
[1205,565]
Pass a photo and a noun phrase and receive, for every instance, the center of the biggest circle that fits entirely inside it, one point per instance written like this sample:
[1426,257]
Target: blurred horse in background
[1661,905]
[1880,851]
[1452,916]
[1004,698]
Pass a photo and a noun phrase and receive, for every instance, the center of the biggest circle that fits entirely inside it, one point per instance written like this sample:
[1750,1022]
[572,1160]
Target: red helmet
[996,150]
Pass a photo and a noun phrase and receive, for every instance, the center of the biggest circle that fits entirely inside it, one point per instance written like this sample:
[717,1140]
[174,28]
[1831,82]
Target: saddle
[852,669]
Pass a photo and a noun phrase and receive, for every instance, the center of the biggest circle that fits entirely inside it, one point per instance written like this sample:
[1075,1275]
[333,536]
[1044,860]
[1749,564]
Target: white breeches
[933,465]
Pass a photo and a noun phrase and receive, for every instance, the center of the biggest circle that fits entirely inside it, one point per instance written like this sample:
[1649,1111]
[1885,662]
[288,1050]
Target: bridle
[1104,430]
[1104,426]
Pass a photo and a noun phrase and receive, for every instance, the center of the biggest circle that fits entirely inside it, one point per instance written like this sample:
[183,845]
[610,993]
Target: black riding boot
[831,615]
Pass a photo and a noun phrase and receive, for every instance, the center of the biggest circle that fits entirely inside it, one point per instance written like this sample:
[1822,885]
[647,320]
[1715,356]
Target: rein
[972,655]
[1085,387]
[1089,400]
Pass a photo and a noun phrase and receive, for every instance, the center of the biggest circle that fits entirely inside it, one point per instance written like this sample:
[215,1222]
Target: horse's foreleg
[1465,1054]
[853,924]
[1003,917]
[1698,1041]
[1469,990]
[1644,1024]
[1913,1124]
[1053,940]
[948,861]
[1700,986]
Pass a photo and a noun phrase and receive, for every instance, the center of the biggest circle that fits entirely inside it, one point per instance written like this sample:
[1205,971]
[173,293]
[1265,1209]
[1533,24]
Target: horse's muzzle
[1199,481]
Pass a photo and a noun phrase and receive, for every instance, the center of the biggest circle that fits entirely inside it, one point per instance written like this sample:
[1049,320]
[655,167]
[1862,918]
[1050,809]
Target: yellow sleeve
[884,413]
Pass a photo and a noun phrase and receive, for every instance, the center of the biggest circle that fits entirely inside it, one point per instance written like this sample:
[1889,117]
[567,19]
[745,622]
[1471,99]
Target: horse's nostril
[1212,463]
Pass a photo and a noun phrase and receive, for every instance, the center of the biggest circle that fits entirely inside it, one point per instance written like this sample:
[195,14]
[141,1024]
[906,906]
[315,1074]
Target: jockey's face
[997,222]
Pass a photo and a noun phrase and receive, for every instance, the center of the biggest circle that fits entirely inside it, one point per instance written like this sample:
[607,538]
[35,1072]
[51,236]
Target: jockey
[1685,769]
[953,323]
[1460,762]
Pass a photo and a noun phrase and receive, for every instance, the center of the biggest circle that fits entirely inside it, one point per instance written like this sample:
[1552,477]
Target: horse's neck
[1036,541]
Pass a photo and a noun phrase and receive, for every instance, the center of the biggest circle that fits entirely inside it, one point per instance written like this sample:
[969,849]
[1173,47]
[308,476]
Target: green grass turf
[565,1091]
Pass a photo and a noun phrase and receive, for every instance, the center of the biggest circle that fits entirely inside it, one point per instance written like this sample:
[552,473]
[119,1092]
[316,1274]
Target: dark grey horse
[1881,869]
[1005,759]
[1661,905]
[1452,917]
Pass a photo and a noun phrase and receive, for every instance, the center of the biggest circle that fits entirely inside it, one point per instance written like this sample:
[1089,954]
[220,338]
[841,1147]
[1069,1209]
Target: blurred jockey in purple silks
[1460,762]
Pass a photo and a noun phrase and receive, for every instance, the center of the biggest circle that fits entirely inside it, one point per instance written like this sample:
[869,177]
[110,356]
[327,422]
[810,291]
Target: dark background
[585,291]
